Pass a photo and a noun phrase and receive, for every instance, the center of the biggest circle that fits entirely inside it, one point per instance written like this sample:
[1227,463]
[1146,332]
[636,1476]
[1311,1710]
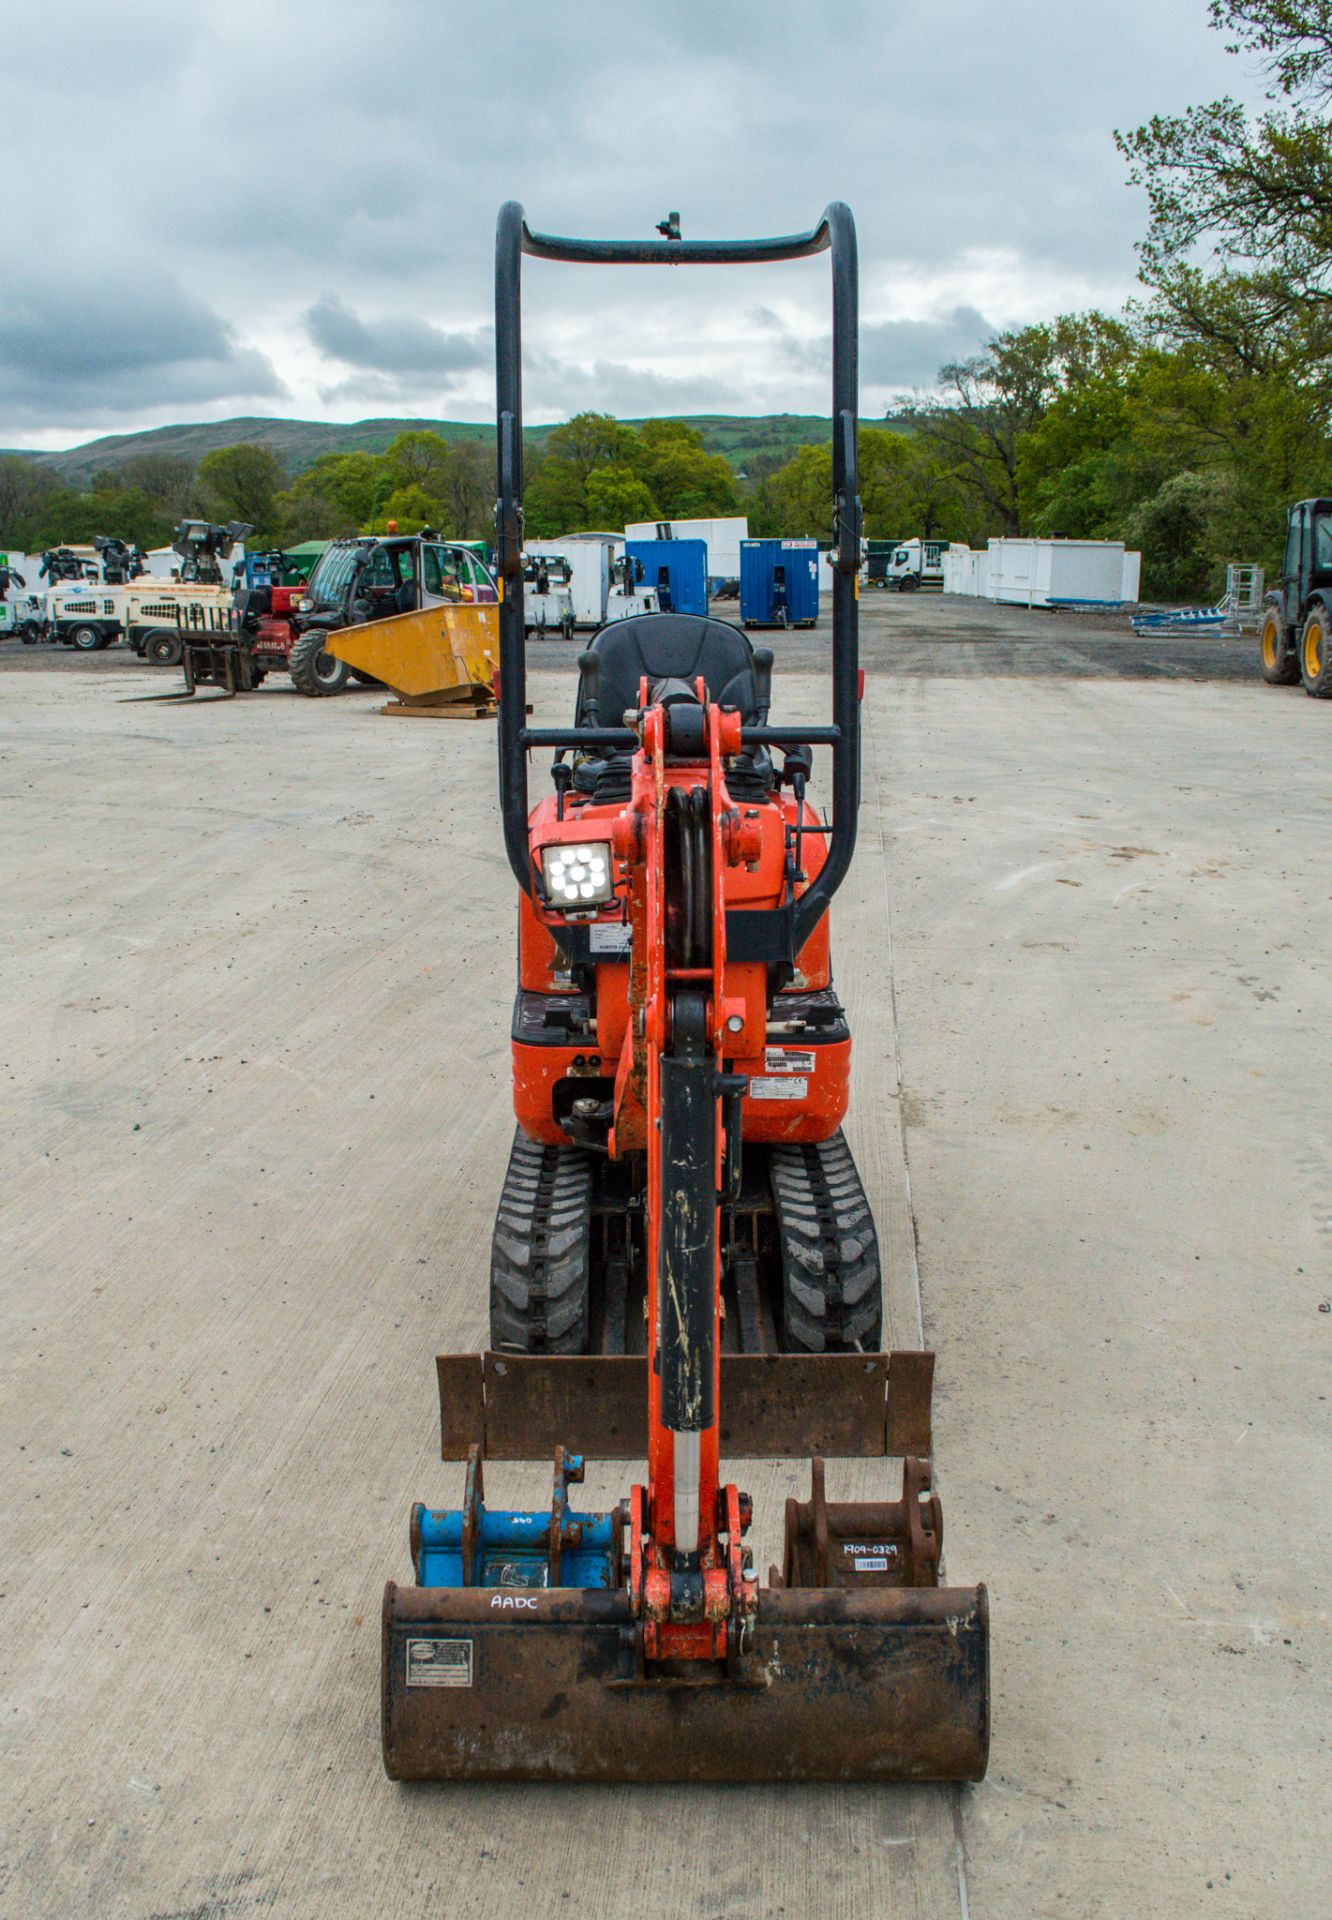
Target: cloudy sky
[288,207]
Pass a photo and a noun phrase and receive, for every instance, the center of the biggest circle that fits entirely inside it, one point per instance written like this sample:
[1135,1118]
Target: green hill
[770,437]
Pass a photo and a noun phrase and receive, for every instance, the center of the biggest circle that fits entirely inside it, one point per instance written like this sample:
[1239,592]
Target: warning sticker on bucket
[790,1086]
[439,1663]
[788,1060]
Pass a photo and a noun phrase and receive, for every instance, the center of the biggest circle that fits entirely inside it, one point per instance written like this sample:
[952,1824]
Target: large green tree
[342,493]
[974,428]
[27,490]
[243,483]
[1258,189]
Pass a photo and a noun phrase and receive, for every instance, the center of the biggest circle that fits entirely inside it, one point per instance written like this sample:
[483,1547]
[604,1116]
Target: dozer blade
[877,1685]
[520,1406]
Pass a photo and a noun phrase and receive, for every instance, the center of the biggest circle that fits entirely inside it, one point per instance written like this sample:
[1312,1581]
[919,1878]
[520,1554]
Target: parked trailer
[779,583]
[602,584]
[675,570]
[547,599]
[589,564]
[20,609]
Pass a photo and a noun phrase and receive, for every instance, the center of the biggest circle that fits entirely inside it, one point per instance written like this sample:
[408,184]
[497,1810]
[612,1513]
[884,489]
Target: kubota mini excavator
[684,1261]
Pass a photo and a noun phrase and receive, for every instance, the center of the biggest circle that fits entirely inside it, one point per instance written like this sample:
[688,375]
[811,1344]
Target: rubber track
[832,1297]
[539,1253]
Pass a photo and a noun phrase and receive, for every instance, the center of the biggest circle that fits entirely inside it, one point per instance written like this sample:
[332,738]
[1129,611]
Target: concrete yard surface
[254,1085]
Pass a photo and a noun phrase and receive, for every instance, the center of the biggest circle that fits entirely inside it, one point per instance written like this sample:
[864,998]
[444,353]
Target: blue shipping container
[675,570]
[779,583]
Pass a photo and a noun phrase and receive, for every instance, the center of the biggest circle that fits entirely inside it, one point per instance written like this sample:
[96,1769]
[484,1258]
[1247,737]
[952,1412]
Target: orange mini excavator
[684,1264]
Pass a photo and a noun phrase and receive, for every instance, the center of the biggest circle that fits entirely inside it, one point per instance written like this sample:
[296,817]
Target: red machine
[684,1261]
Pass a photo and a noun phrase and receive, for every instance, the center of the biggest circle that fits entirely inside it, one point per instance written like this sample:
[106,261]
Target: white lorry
[914,564]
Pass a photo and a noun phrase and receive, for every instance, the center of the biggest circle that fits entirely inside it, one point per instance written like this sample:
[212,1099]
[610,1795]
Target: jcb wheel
[313,670]
[163,647]
[1276,657]
[1316,654]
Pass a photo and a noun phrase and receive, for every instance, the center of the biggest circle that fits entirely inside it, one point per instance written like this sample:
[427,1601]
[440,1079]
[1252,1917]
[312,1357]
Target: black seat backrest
[672,646]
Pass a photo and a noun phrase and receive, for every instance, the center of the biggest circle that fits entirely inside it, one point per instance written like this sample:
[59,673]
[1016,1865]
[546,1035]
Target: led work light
[578,875]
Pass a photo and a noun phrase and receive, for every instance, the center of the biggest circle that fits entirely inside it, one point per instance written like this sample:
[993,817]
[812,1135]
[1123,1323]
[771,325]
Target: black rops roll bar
[835,232]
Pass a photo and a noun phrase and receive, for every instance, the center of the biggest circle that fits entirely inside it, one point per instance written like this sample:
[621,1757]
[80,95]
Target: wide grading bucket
[886,1684]
[519,1655]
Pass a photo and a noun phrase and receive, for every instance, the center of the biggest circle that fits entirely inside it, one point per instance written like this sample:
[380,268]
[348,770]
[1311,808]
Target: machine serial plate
[788,1060]
[439,1663]
[779,1087]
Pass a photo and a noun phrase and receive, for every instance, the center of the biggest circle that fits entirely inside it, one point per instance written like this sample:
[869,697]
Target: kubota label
[789,1087]
[609,937]
[439,1663]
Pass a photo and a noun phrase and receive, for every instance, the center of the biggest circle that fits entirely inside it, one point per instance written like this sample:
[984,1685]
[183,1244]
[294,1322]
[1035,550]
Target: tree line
[1183,426]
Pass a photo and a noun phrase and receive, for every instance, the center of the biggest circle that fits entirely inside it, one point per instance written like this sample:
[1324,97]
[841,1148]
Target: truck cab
[1295,626]
[913,564]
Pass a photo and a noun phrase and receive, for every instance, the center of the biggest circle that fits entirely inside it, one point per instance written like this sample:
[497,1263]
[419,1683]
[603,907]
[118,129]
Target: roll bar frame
[834,233]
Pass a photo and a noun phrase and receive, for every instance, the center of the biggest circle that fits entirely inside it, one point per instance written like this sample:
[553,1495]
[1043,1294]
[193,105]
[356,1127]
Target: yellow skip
[432,658]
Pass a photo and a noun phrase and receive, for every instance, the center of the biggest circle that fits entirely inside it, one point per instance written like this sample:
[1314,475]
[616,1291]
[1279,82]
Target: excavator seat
[669,646]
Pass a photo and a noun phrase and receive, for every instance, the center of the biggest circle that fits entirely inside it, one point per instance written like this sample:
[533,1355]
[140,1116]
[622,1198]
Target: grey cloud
[360,185]
[909,353]
[398,344]
[560,387]
[139,342]
[898,353]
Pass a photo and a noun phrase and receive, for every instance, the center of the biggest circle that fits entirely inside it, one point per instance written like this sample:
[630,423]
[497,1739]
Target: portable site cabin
[1053,573]
[721,539]
[779,583]
[966,571]
[675,570]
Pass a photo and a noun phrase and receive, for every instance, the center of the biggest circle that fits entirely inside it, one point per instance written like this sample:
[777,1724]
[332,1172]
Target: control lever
[732,1087]
[589,666]
[763,683]
[562,774]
